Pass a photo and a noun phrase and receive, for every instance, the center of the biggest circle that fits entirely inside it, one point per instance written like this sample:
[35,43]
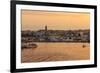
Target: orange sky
[36,20]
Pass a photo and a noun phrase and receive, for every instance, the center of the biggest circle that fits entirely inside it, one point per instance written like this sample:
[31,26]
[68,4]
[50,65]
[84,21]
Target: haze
[37,20]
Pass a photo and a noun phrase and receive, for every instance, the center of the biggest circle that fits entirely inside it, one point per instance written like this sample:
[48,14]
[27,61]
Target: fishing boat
[84,46]
[28,45]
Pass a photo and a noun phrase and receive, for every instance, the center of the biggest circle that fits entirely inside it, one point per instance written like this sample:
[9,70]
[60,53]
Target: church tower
[46,33]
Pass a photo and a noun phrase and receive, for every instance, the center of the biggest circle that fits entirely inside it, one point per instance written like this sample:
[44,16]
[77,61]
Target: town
[56,35]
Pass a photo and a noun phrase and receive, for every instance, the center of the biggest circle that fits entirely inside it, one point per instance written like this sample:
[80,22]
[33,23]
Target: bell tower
[46,33]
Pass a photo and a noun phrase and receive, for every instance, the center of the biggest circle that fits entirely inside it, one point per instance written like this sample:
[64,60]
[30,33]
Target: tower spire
[46,33]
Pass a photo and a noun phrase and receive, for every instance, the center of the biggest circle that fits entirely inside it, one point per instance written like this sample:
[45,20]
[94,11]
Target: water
[56,52]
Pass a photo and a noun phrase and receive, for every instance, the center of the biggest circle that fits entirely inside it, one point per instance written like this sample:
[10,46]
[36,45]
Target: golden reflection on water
[56,52]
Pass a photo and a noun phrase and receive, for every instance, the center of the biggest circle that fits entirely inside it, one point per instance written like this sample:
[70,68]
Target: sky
[54,20]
